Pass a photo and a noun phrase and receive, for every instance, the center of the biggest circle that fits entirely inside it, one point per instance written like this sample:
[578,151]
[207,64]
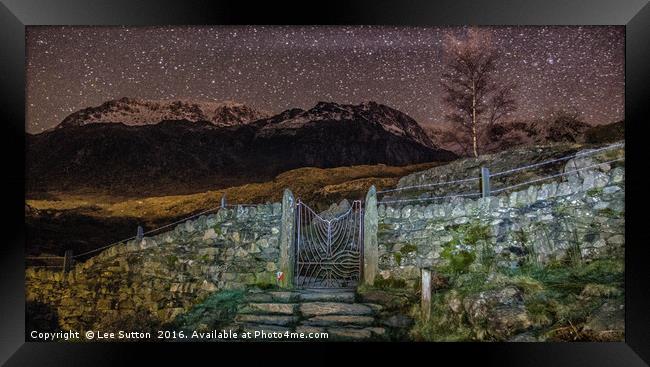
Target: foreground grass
[558,298]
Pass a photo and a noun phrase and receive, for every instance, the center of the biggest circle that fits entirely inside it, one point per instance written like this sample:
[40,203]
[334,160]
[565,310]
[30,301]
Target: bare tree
[468,82]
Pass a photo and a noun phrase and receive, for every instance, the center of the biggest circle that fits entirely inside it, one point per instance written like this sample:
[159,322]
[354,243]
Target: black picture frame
[633,14]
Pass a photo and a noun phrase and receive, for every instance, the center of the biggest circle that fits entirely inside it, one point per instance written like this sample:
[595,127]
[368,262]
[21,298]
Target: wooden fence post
[67,261]
[485,182]
[426,294]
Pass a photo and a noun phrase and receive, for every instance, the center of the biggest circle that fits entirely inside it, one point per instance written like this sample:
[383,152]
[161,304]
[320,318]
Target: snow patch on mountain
[391,120]
[132,111]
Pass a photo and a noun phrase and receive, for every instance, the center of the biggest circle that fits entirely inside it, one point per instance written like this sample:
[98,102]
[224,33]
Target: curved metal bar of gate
[328,251]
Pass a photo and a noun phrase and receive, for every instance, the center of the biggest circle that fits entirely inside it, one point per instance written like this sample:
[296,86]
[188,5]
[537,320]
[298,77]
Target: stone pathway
[335,312]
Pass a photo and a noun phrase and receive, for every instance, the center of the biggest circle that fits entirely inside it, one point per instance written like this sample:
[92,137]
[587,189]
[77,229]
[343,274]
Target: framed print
[385,177]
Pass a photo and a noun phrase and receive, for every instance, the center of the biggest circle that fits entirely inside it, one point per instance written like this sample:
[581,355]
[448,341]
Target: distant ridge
[133,111]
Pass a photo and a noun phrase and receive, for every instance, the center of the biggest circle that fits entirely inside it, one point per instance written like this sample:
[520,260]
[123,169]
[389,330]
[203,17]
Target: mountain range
[132,146]
[134,111]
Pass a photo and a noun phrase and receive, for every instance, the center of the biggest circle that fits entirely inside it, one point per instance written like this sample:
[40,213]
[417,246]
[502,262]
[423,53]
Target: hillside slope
[180,157]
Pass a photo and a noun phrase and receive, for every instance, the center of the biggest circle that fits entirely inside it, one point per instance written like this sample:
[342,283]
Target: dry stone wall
[579,215]
[164,275]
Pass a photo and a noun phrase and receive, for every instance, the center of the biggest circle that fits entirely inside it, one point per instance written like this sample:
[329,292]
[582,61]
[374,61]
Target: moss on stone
[460,252]
[398,258]
[265,279]
[389,282]
[596,191]
[408,248]
[475,232]
[458,260]
[609,212]
[470,233]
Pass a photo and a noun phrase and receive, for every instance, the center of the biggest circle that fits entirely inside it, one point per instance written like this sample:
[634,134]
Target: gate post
[287,231]
[370,244]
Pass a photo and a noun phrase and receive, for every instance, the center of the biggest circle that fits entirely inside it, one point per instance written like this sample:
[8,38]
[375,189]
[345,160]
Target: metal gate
[328,250]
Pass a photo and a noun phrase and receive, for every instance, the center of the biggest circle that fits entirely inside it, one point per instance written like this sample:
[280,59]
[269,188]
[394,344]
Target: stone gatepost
[370,245]
[287,231]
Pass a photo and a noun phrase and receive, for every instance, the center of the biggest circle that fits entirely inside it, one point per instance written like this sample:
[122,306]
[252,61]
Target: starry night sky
[277,68]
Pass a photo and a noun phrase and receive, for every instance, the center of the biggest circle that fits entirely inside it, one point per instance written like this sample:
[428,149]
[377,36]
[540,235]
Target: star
[274,68]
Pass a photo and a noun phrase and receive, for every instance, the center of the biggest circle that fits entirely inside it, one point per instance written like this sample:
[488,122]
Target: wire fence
[556,175]
[69,258]
[430,198]
[158,229]
[470,179]
[485,177]
[50,262]
[565,158]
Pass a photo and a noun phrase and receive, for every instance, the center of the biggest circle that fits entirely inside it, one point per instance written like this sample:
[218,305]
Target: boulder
[607,323]
[504,321]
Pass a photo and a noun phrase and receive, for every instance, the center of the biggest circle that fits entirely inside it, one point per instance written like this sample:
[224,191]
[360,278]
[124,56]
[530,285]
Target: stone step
[280,320]
[309,309]
[275,296]
[284,296]
[269,308]
[339,320]
[347,297]
[308,295]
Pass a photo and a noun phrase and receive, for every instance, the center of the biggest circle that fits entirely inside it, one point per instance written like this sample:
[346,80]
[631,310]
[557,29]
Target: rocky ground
[559,302]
